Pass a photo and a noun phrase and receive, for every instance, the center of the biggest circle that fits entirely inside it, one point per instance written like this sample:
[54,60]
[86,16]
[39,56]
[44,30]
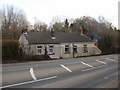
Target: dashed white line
[53,77]
[101,66]
[93,68]
[65,67]
[101,62]
[111,59]
[87,69]
[32,74]
[87,64]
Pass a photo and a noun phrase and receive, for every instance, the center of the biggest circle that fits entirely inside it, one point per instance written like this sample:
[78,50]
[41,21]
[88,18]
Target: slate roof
[45,38]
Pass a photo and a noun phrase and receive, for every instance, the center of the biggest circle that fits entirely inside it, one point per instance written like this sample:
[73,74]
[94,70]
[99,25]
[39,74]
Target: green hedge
[35,57]
[12,53]
[11,50]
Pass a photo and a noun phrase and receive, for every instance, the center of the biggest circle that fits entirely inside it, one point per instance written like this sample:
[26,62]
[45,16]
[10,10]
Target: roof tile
[45,38]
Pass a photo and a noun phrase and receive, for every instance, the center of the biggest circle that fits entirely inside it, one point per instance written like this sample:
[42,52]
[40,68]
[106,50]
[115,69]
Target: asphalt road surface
[85,72]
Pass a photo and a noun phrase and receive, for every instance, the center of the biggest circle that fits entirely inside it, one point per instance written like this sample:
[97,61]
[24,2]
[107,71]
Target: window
[67,49]
[39,48]
[51,49]
[39,51]
[75,49]
[85,49]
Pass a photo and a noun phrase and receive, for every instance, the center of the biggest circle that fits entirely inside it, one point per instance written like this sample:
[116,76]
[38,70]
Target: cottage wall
[80,47]
[23,40]
[63,54]
[55,54]
[59,50]
[24,44]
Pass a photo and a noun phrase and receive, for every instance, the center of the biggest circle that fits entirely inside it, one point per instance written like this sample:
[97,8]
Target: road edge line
[52,77]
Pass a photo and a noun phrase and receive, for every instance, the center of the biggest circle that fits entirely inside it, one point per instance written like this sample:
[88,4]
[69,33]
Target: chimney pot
[53,34]
[24,31]
[81,30]
[95,42]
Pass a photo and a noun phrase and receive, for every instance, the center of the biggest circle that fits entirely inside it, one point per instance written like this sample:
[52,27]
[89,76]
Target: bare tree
[56,19]
[58,26]
[13,21]
[39,26]
[0,19]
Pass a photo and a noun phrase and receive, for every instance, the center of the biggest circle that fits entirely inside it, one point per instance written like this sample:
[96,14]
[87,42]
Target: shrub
[35,57]
[11,50]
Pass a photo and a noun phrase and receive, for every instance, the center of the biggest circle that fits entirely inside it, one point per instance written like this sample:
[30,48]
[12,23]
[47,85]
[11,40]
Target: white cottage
[58,44]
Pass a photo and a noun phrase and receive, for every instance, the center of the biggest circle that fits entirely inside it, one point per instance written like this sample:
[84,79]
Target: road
[85,72]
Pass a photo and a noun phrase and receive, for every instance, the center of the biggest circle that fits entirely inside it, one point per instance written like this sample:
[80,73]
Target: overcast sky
[46,10]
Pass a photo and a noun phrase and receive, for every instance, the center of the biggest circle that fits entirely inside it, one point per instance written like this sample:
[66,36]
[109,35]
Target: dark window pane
[39,46]
[85,49]
[67,49]
[75,49]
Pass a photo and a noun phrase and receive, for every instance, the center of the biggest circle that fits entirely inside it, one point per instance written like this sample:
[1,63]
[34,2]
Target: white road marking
[65,67]
[15,69]
[87,69]
[87,64]
[101,62]
[111,59]
[29,82]
[93,68]
[101,66]
[32,74]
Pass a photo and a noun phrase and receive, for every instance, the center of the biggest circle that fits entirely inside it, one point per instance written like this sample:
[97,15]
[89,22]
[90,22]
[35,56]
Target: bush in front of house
[11,50]
[13,53]
[35,57]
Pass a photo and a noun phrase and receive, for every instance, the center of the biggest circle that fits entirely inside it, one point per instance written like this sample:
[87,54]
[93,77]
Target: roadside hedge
[11,50]
[12,53]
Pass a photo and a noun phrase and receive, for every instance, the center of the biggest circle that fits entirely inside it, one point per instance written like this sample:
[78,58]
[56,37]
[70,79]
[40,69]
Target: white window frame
[39,50]
[51,49]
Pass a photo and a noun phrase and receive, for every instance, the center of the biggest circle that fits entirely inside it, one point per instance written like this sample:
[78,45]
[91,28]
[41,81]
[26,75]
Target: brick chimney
[24,31]
[81,31]
[95,42]
[53,34]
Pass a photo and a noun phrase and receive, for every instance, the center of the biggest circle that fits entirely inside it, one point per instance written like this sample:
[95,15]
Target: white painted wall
[56,50]
[23,40]
[24,43]
[59,50]
[63,55]
[79,49]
